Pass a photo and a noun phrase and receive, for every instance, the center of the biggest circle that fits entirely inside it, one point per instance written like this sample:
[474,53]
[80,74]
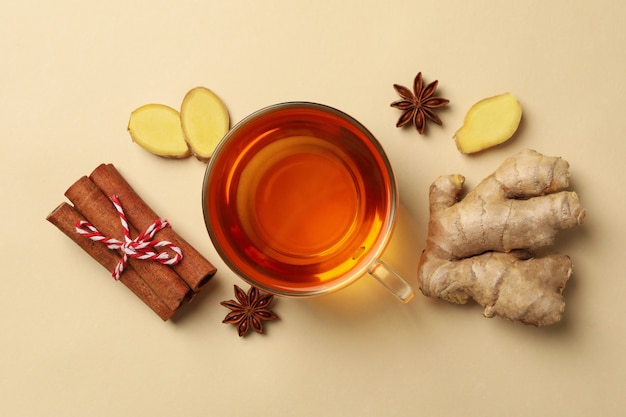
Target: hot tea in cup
[300,199]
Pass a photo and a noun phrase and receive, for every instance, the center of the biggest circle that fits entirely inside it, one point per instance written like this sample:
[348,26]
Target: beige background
[74,343]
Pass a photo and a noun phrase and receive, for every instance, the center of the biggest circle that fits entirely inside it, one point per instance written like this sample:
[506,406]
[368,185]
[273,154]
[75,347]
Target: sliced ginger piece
[204,120]
[156,128]
[488,123]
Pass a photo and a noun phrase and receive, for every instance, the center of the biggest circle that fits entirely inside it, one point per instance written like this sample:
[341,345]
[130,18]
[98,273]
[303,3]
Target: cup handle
[392,281]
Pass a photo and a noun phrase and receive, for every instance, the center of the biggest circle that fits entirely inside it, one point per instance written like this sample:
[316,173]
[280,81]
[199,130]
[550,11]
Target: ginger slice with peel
[482,246]
[156,128]
[204,120]
[488,123]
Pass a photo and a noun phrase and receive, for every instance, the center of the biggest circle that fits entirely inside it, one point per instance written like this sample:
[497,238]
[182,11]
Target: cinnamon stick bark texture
[194,268]
[163,288]
[97,208]
[65,218]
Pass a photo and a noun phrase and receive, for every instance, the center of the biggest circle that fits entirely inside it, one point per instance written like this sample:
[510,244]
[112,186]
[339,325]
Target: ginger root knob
[482,247]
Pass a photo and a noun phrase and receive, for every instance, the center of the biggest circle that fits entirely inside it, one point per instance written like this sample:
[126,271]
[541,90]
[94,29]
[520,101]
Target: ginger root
[157,129]
[196,130]
[481,247]
[490,122]
[205,121]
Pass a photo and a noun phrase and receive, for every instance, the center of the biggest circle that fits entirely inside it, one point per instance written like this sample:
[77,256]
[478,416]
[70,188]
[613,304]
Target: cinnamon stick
[96,207]
[194,268]
[65,218]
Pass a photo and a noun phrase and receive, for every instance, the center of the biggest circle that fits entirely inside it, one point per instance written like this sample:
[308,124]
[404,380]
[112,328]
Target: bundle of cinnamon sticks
[163,288]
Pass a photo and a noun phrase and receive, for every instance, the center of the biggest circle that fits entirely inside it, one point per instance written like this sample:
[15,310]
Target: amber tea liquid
[298,200]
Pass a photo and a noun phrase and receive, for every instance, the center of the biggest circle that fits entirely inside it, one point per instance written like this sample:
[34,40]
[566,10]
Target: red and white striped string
[141,247]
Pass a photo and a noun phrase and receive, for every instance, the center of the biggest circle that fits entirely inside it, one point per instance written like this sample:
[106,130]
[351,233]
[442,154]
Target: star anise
[249,311]
[418,105]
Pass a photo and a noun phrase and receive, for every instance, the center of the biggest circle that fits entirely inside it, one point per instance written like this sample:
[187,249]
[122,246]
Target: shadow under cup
[299,199]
